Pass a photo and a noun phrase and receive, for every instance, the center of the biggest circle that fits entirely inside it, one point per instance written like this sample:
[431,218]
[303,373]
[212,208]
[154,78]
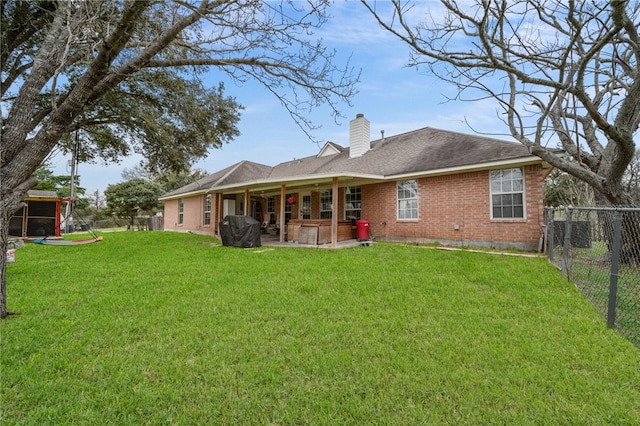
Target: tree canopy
[132,198]
[561,73]
[47,181]
[167,180]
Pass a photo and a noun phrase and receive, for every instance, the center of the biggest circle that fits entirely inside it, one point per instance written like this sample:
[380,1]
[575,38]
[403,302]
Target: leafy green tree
[170,120]
[136,171]
[133,198]
[172,180]
[48,182]
[168,180]
[128,76]
[61,184]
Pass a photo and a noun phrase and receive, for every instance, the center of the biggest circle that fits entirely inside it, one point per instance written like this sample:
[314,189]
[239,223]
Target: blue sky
[393,97]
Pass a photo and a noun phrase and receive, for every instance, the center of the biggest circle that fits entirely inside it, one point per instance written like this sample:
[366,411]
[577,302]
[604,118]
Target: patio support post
[283,194]
[247,202]
[219,212]
[334,213]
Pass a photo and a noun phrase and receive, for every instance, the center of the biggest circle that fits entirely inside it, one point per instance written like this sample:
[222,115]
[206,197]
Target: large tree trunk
[5,215]
[4,226]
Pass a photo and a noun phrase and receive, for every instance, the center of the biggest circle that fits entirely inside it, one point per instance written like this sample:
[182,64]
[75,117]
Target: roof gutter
[185,194]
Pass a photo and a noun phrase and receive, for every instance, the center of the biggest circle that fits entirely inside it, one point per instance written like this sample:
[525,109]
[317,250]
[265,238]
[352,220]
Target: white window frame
[271,209]
[305,205]
[407,195]
[353,202]
[271,203]
[180,211]
[207,210]
[503,184]
[326,208]
[288,208]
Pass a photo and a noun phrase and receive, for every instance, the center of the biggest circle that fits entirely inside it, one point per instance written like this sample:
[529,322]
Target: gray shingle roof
[418,151]
[240,172]
[415,152]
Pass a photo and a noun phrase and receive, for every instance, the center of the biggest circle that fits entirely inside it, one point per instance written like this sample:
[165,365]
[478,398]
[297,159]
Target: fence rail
[598,249]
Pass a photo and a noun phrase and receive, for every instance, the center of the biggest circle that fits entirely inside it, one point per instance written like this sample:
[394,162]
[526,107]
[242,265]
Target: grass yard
[164,328]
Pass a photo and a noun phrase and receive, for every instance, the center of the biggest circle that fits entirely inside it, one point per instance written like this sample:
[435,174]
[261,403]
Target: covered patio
[300,216]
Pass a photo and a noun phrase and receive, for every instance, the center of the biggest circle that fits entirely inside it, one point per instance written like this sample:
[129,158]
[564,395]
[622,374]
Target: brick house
[426,185]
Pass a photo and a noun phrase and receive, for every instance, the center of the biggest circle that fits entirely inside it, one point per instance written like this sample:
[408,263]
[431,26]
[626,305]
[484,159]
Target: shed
[39,218]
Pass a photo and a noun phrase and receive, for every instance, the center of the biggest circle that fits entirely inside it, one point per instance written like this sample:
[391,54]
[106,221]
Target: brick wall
[193,218]
[455,209]
[170,214]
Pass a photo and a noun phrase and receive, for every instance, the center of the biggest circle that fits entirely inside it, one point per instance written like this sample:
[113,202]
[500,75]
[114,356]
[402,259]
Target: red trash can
[362,229]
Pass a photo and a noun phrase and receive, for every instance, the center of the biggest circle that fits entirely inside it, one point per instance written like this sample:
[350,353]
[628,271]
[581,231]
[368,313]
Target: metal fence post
[567,243]
[615,261]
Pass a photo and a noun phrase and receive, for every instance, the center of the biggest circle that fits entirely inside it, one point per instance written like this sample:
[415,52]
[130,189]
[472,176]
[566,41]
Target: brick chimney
[359,136]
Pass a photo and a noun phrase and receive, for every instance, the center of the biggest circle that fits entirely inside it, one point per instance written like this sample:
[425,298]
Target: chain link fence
[598,249]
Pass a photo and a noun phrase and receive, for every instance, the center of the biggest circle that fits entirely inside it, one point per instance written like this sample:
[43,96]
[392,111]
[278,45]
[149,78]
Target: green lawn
[164,328]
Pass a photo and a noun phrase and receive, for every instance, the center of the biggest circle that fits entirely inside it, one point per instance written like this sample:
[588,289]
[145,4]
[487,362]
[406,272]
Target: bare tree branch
[572,70]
